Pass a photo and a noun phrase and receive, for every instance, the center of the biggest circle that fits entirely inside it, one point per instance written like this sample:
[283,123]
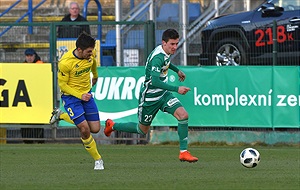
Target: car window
[288,5]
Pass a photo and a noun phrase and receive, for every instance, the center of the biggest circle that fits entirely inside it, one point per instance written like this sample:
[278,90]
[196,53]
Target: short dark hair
[170,34]
[85,41]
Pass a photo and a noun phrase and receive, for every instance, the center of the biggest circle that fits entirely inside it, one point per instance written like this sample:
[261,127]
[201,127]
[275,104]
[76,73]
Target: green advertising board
[256,96]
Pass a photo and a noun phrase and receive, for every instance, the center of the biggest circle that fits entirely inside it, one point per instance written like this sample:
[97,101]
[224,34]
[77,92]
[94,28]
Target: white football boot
[99,165]
[55,115]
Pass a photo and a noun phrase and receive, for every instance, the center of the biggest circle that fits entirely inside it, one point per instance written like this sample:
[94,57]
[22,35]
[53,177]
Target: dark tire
[229,52]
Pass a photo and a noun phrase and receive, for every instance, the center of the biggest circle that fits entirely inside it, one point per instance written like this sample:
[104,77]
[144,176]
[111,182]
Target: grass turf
[69,166]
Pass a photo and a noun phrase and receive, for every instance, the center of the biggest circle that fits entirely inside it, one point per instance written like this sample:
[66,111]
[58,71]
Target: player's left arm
[94,71]
[180,74]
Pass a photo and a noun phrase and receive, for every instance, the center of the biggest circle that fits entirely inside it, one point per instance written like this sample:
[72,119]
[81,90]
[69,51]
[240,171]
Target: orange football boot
[108,127]
[187,157]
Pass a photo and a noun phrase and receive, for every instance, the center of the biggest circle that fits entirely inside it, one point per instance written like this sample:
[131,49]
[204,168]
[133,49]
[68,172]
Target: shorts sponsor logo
[172,102]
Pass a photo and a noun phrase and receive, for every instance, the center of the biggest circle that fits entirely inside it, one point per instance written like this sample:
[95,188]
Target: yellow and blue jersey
[74,74]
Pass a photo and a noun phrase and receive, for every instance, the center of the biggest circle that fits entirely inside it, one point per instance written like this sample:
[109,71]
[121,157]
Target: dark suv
[246,38]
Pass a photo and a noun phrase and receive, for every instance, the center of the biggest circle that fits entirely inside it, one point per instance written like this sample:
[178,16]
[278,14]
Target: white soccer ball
[249,157]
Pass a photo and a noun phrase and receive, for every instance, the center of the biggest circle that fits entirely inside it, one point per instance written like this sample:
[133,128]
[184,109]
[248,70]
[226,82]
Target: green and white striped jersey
[156,76]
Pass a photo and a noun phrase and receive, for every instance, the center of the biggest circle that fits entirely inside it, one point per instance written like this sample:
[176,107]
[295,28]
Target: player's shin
[183,134]
[66,117]
[129,127]
[91,146]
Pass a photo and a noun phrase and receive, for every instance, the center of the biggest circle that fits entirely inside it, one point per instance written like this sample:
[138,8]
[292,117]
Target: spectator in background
[73,31]
[31,56]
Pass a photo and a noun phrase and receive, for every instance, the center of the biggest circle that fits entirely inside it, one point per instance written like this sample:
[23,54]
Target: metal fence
[31,134]
[44,40]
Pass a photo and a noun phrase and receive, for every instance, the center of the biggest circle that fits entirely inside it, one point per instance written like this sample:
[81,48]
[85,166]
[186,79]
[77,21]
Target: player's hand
[94,81]
[86,97]
[183,90]
[181,76]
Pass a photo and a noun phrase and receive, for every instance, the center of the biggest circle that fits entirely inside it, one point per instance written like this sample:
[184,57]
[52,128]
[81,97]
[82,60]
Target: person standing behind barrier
[74,80]
[73,31]
[32,57]
[157,95]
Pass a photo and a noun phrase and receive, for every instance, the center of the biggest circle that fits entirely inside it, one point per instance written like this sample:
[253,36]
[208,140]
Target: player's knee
[144,129]
[183,116]
[145,132]
[94,122]
[95,130]
[85,132]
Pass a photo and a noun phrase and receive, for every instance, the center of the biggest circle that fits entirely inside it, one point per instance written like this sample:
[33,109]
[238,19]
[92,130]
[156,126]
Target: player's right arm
[63,79]
[155,75]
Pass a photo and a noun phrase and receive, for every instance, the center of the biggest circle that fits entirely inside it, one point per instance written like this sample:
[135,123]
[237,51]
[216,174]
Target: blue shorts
[77,108]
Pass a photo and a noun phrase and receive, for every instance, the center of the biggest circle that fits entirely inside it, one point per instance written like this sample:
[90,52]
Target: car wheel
[229,52]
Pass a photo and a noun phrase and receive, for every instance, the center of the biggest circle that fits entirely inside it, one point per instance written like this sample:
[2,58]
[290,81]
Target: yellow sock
[66,117]
[90,145]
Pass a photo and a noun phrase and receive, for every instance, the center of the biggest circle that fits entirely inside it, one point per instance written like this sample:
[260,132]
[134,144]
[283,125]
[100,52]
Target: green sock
[183,134]
[129,127]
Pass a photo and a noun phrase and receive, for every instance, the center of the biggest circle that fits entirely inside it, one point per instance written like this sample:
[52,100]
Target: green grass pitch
[69,166]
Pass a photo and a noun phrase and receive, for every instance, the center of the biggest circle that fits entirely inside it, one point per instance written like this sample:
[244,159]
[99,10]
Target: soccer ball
[249,157]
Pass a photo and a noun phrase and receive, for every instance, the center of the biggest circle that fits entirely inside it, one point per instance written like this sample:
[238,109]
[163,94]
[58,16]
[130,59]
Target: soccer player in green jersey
[74,80]
[156,95]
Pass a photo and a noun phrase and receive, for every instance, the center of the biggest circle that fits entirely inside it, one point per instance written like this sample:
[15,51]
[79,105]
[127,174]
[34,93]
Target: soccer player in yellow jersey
[58,114]
[75,84]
